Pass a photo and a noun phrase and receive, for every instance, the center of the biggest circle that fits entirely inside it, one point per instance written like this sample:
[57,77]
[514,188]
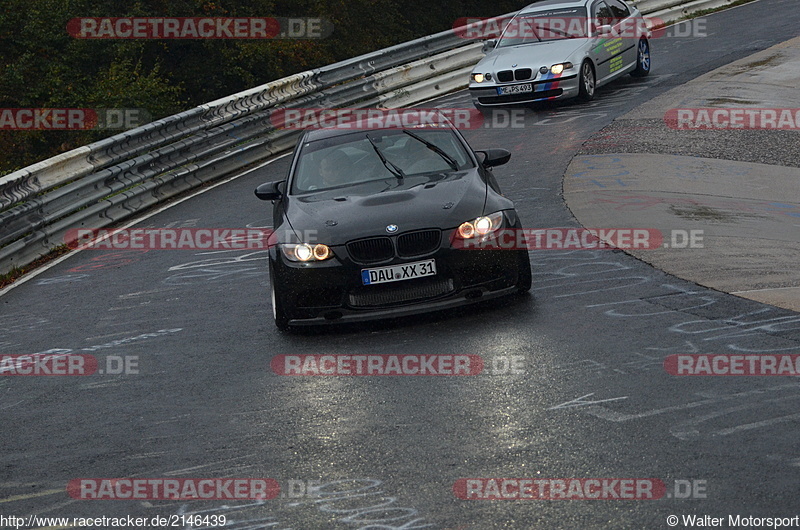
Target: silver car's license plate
[397,273]
[514,89]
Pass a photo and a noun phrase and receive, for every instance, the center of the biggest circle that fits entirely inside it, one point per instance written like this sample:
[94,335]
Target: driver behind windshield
[335,169]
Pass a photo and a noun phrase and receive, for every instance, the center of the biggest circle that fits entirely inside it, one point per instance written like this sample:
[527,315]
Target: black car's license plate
[396,273]
[514,89]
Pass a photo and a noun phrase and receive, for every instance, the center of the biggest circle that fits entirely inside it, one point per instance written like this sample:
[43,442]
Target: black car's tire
[278,305]
[279,312]
[525,277]
[642,59]
[587,82]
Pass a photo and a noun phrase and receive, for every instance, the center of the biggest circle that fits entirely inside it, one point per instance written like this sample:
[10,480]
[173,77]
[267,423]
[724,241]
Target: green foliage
[42,66]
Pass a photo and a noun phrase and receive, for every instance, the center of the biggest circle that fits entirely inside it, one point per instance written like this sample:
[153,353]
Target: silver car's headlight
[560,67]
[304,252]
[480,78]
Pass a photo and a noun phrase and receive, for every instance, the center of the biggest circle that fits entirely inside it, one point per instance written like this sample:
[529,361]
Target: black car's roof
[314,134]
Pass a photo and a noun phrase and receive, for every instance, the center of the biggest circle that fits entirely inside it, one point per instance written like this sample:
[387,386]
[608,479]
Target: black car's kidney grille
[418,243]
[522,74]
[385,295]
[371,250]
[505,76]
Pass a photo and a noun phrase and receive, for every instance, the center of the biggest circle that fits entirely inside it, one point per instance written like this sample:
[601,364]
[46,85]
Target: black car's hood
[336,218]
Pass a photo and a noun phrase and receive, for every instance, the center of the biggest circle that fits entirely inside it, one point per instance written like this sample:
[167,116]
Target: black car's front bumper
[332,291]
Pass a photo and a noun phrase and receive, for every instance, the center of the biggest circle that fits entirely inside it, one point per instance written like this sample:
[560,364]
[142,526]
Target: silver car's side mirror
[489,45]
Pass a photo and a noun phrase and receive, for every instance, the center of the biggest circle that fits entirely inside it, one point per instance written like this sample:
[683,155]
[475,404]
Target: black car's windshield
[355,159]
[543,26]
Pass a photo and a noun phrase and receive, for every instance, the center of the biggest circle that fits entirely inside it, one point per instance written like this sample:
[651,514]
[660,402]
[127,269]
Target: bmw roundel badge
[391,229]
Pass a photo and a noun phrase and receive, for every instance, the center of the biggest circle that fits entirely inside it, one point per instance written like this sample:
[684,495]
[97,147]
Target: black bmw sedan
[372,223]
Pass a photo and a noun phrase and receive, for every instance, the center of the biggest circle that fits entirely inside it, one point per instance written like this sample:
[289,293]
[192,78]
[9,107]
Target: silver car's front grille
[504,76]
[521,74]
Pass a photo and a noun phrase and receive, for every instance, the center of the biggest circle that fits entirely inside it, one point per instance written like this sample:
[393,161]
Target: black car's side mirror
[495,157]
[269,191]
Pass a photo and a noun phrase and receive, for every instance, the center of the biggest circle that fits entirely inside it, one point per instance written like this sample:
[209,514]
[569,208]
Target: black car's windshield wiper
[393,169]
[436,149]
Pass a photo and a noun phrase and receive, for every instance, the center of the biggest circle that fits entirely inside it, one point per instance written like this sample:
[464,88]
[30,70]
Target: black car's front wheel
[587,82]
[278,312]
[525,277]
[278,307]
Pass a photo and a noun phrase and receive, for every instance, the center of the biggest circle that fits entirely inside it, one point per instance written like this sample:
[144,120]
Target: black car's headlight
[480,227]
[480,78]
[304,252]
[560,67]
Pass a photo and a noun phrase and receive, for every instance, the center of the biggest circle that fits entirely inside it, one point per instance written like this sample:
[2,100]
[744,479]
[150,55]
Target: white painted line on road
[103,337]
[31,495]
[153,291]
[579,402]
[756,425]
[195,468]
[137,220]
[612,415]
[11,406]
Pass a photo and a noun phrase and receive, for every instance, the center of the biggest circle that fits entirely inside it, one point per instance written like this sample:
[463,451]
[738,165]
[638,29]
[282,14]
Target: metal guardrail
[103,183]
[672,10]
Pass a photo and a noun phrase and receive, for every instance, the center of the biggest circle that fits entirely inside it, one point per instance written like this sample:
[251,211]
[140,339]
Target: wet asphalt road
[594,401]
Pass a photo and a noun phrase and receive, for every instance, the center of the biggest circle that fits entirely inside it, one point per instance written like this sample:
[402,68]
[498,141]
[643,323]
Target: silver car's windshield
[356,159]
[543,26]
